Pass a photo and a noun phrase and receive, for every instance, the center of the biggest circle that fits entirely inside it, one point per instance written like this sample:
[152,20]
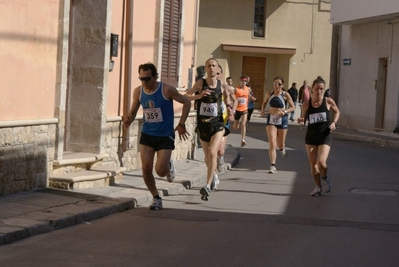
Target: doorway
[255,68]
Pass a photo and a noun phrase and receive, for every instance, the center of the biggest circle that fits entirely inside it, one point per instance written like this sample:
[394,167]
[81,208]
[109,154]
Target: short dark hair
[149,66]
[229,78]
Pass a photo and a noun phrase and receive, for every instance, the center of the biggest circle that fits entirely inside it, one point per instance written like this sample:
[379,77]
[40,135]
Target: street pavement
[35,212]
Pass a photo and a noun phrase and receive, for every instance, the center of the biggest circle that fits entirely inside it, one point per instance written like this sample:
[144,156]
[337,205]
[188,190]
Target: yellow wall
[300,25]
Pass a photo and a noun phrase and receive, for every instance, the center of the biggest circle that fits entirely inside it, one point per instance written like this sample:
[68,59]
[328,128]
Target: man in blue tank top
[158,133]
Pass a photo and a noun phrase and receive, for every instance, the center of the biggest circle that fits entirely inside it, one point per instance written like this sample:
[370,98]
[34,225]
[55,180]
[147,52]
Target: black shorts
[158,142]
[318,138]
[207,129]
[238,114]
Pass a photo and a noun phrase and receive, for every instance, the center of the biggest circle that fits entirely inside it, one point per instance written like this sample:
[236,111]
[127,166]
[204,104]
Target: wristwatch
[182,125]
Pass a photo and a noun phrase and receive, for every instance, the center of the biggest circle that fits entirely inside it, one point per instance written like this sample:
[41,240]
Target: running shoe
[215,181]
[205,192]
[316,191]
[283,152]
[243,143]
[156,204]
[220,164]
[327,184]
[172,172]
[273,169]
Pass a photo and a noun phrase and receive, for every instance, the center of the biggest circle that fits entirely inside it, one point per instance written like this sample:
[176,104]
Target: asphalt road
[253,219]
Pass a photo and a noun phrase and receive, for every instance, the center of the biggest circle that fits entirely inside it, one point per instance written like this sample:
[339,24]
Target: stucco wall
[28,54]
[344,11]
[365,44]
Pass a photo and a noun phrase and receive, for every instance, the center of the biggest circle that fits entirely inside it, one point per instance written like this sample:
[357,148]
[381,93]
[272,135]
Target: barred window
[259,18]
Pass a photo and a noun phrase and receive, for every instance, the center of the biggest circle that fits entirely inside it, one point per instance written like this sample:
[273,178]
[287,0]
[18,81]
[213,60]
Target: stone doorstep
[72,158]
[95,177]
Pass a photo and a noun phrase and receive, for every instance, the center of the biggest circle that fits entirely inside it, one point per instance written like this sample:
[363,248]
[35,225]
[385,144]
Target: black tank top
[319,119]
[210,106]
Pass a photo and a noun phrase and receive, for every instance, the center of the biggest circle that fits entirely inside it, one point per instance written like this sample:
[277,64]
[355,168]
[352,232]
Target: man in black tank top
[209,117]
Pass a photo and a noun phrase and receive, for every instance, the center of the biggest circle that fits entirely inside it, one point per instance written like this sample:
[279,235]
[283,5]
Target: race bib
[242,100]
[209,109]
[275,120]
[153,115]
[317,117]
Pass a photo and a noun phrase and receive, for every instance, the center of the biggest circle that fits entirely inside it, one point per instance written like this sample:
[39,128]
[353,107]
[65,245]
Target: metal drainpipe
[128,68]
[194,144]
[334,63]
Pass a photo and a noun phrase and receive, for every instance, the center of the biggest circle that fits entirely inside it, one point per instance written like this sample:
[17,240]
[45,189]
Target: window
[259,18]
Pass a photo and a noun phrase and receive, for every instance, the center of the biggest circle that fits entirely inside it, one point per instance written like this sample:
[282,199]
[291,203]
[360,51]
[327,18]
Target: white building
[368,63]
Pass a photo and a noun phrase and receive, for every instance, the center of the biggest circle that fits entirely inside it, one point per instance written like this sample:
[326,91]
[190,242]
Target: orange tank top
[242,98]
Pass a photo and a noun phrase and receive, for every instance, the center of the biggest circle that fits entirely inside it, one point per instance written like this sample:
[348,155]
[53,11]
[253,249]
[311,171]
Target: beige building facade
[368,68]
[267,38]
[70,69]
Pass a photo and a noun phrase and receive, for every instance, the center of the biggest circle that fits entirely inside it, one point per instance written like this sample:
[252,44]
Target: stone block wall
[26,155]
[131,157]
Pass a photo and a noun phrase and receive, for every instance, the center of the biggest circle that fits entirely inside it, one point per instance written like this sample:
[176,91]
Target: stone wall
[26,155]
[27,152]
[131,157]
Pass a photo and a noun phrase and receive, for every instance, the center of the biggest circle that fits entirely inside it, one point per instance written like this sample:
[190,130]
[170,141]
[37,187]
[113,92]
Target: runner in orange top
[240,117]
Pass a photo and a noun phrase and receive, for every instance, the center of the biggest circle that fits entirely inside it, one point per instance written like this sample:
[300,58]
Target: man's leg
[147,161]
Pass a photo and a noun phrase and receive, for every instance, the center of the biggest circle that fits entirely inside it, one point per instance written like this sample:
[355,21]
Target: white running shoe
[172,172]
[316,191]
[220,164]
[156,204]
[273,169]
[215,181]
[284,152]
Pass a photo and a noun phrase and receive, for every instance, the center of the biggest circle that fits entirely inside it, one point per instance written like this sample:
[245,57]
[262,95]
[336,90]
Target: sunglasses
[279,84]
[145,79]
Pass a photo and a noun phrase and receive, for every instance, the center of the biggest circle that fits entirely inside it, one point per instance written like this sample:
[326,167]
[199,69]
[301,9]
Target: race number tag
[317,117]
[242,100]
[275,120]
[209,109]
[153,115]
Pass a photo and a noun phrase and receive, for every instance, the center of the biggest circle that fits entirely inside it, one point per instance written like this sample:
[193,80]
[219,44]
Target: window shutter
[171,41]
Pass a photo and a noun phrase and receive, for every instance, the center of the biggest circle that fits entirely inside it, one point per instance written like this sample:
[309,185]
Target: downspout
[127,71]
[334,63]
[314,10]
[193,63]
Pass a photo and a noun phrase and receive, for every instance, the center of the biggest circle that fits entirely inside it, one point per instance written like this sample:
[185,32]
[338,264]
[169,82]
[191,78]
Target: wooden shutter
[171,41]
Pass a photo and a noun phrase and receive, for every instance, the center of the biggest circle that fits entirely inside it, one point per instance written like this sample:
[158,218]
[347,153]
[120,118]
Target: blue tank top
[277,101]
[158,114]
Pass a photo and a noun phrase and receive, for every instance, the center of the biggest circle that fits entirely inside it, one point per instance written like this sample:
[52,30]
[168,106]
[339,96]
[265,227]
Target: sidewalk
[35,212]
